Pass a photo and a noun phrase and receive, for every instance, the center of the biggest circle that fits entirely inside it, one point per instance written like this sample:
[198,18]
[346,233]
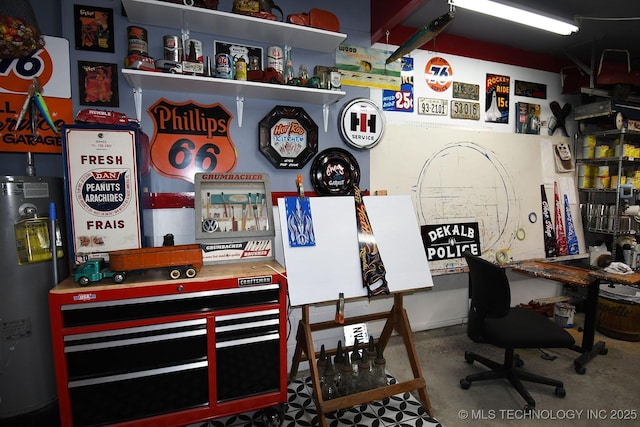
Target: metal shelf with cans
[608,175]
[207,21]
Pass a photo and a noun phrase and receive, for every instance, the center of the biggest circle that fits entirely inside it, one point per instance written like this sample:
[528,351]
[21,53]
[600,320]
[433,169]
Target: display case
[234,217]
[161,352]
[608,175]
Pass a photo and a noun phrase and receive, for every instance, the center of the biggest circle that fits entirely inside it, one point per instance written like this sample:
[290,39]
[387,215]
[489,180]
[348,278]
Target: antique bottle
[288,66]
[322,364]
[329,388]
[346,385]
[379,369]
[365,375]
[338,361]
[355,357]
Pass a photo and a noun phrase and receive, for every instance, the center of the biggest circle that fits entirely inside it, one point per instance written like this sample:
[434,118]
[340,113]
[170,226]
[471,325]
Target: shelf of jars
[201,20]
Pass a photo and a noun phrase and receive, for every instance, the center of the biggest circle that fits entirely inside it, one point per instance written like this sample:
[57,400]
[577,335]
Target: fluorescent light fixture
[517,14]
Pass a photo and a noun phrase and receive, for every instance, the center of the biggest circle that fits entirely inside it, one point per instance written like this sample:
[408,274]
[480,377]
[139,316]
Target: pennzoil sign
[190,138]
[448,241]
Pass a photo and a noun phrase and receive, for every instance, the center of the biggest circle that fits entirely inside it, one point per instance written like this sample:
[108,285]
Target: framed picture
[98,84]
[93,28]
[251,54]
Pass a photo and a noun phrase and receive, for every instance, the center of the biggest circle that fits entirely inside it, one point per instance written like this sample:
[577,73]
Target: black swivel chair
[493,321]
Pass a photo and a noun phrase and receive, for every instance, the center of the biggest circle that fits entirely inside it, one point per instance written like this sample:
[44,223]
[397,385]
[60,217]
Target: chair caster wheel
[604,351]
[560,392]
[580,369]
[528,409]
[468,358]
[465,384]
[519,363]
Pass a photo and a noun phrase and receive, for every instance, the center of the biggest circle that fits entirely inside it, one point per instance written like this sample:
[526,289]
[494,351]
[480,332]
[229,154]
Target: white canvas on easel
[319,273]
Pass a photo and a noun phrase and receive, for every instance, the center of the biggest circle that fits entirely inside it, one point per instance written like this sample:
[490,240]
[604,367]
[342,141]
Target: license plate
[432,107]
[465,110]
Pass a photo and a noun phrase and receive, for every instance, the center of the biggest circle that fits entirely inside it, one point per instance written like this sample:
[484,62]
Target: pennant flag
[560,234]
[550,243]
[572,238]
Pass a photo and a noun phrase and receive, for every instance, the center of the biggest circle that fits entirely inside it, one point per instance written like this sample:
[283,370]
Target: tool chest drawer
[159,353]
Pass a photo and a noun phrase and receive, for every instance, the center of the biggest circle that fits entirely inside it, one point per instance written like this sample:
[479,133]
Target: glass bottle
[288,66]
[371,349]
[329,388]
[321,364]
[346,385]
[379,369]
[338,361]
[355,357]
[365,375]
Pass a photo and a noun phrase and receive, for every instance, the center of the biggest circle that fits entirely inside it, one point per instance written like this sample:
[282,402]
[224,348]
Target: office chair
[493,321]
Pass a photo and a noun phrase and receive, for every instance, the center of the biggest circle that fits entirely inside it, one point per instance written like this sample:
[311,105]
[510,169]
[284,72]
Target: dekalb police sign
[447,241]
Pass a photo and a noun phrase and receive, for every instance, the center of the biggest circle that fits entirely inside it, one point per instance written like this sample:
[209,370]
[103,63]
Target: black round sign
[334,172]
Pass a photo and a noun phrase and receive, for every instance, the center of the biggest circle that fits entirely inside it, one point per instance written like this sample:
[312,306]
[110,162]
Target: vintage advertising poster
[401,100]
[102,186]
[365,67]
[98,84]
[93,28]
[497,99]
[51,66]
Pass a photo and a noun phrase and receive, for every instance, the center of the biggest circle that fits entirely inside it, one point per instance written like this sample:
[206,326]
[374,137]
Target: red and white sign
[102,176]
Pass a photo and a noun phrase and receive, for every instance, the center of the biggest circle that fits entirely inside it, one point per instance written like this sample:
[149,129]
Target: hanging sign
[288,137]
[190,138]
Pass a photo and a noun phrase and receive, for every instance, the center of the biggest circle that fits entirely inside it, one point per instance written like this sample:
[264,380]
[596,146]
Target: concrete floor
[607,394]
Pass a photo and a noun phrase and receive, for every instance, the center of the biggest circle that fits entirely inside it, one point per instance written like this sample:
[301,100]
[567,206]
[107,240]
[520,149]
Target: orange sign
[50,65]
[438,74]
[190,138]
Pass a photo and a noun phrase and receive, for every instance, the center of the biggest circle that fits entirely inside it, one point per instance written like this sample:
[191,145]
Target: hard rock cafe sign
[190,138]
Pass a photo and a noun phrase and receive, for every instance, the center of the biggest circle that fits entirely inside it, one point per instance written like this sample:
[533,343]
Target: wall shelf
[201,20]
[150,80]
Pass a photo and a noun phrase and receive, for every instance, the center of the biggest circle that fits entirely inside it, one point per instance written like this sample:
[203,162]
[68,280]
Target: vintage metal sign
[288,137]
[361,123]
[438,74]
[51,66]
[530,89]
[448,241]
[189,138]
[103,185]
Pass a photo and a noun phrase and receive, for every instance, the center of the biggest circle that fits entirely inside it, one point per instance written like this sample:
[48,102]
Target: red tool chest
[154,351]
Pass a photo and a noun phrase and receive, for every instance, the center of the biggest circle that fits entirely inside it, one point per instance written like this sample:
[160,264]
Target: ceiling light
[517,14]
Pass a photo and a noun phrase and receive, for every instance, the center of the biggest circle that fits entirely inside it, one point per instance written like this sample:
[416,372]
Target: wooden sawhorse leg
[396,319]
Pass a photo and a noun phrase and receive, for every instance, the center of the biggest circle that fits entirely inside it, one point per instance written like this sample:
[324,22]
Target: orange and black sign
[190,138]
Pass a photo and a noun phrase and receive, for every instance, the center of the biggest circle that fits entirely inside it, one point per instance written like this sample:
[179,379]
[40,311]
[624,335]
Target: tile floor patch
[401,410]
